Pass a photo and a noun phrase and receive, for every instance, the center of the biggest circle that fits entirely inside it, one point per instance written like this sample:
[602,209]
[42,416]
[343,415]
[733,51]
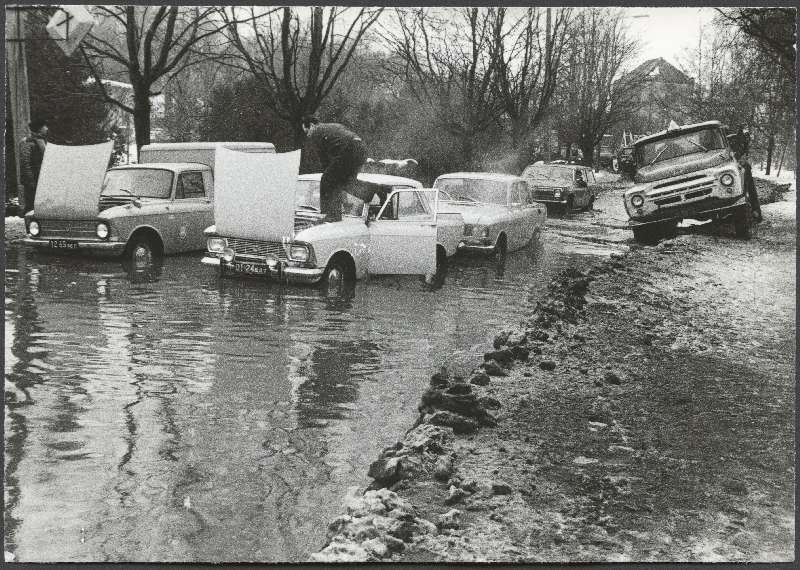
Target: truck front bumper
[305,275]
[89,247]
[707,209]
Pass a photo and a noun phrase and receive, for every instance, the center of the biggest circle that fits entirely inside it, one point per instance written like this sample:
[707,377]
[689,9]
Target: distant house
[664,95]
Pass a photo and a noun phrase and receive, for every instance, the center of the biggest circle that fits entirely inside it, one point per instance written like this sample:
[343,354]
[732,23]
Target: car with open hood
[685,172]
[499,212]
[142,211]
[563,187]
[275,231]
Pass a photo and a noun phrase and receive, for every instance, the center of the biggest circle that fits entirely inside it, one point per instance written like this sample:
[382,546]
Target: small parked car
[403,235]
[563,187]
[142,211]
[684,172]
[499,212]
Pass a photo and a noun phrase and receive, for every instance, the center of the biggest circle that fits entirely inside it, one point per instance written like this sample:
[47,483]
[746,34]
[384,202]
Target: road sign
[69,25]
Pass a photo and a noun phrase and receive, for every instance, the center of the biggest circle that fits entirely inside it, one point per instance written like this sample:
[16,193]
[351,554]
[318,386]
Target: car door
[403,237]
[191,211]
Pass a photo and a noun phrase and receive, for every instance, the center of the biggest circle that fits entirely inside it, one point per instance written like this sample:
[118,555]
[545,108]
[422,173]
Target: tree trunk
[587,148]
[141,119]
[770,150]
[467,150]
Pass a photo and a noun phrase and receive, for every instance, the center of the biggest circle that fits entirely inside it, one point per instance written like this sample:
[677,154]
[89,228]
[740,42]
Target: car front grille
[544,192]
[75,229]
[255,249]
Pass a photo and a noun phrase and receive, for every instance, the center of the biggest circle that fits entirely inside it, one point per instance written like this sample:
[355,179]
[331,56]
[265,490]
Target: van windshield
[679,145]
[138,182]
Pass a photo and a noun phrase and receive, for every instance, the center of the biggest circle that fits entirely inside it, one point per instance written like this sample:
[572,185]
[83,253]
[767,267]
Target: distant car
[499,212]
[562,186]
[400,236]
[142,211]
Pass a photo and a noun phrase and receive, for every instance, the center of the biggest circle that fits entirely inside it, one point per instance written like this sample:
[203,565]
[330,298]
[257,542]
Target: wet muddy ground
[171,416]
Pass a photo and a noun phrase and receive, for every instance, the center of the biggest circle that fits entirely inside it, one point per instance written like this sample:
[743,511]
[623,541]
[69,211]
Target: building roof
[659,69]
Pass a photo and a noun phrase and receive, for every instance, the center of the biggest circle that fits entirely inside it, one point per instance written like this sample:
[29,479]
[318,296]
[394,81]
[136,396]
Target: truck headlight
[102,230]
[727,179]
[299,252]
[637,201]
[216,244]
[33,228]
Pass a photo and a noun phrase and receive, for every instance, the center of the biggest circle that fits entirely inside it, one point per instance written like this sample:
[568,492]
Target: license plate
[250,268]
[63,244]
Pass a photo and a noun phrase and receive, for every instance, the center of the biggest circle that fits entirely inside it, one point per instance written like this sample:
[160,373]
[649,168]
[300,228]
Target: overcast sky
[668,32]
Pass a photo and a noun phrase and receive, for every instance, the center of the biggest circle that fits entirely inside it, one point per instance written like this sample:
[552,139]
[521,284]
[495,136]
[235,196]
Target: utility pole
[17,77]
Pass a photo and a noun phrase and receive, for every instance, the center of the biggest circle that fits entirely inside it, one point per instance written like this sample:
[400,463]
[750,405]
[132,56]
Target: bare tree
[147,45]
[773,30]
[295,61]
[528,61]
[595,95]
[447,57]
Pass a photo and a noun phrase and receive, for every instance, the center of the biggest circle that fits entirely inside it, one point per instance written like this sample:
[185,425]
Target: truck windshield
[548,173]
[679,145]
[138,182]
[474,189]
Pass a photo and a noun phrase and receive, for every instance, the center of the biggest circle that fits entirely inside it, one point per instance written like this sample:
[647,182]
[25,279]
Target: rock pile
[376,525]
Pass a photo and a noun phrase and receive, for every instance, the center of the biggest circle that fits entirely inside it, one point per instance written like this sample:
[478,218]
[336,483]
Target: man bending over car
[341,153]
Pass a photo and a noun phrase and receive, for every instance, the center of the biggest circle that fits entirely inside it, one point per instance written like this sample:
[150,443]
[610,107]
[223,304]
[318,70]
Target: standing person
[341,153]
[31,153]
[741,148]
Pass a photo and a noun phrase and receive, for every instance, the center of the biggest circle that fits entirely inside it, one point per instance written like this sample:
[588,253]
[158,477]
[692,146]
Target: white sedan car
[499,212]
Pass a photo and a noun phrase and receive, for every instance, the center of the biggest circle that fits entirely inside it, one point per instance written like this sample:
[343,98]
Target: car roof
[680,129]
[481,176]
[371,178]
[174,166]
[231,145]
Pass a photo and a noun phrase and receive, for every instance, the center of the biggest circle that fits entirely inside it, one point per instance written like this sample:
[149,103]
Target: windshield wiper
[698,145]
[657,156]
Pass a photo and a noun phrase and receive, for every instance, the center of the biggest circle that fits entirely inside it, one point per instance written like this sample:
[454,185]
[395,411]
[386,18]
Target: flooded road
[175,416]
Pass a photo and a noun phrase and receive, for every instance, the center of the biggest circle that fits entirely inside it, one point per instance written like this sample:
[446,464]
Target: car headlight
[637,201]
[468,230]
[216,244]
[227,254]
[481,232]
[299,252]
[727,179]
[557,193]
[33,228]
[102,230]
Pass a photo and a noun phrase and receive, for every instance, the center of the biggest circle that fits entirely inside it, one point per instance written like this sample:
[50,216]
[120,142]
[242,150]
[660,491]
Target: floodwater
[175,416]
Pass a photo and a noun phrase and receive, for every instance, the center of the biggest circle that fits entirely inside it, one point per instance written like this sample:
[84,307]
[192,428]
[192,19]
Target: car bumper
[307,275]
[99,248]
[552,201]
[703,210]
[483,246]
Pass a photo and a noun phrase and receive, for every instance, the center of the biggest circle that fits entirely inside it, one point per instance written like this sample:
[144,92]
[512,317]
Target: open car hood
[254,194]
[680,165]
[70,181]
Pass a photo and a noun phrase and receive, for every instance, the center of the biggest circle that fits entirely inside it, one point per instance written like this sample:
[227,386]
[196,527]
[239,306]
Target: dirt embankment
[645,412]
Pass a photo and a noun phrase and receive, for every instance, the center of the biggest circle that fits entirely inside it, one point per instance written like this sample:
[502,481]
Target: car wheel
[339,277]
[743,222]
[570,204]
[143,252]
[435,281]
[500,250]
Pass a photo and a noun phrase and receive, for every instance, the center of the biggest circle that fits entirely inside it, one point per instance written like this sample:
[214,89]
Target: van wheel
[743,222]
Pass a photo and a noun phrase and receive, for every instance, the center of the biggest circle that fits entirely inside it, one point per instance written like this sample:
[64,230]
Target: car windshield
[679,145]
[474,189]
[138,182]
[545,172]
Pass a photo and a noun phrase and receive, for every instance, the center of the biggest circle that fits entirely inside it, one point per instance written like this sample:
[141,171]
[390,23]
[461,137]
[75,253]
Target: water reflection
[171,415]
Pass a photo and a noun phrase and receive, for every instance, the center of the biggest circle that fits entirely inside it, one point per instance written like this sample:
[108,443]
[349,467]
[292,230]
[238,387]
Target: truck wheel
[647,235]
[589,204]
[743,222]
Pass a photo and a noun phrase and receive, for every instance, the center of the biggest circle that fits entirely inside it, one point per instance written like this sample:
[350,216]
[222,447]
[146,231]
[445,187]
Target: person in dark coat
[31,153]
[342,154]
[740,143]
